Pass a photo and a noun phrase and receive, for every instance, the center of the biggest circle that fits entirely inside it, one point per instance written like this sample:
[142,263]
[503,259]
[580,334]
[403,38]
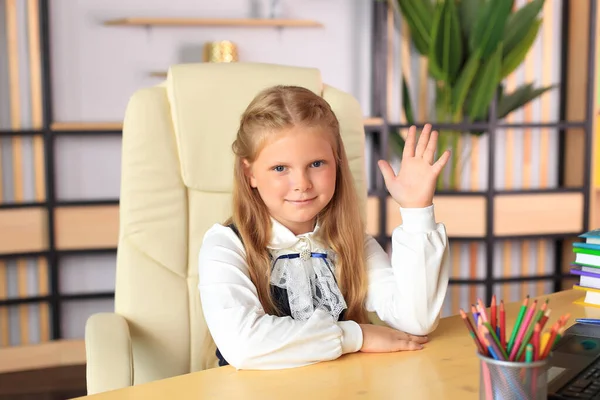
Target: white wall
[96,68]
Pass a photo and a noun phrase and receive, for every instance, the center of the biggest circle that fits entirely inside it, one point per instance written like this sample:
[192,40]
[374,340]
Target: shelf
[117,126]
[373,121]
[52,354]
[86,126]
[242,22]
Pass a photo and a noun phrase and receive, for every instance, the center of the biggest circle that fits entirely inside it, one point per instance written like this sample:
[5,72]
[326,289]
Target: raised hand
[414,186]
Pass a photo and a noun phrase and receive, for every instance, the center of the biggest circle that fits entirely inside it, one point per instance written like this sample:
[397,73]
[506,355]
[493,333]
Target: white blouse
[407,293]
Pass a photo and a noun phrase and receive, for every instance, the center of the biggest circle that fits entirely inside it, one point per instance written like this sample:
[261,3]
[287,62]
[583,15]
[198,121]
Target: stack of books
[587,266]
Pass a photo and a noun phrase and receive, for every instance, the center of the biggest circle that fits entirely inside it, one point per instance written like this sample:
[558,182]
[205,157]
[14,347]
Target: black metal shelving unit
[380,135]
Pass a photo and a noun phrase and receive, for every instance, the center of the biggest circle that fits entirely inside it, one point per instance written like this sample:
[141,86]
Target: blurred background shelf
[85,126]
[79,126]
[241,22]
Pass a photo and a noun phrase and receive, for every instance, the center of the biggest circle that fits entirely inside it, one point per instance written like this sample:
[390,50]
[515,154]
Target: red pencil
[494,321]
[536,341]
[544,318]
[502,324]
[550,343]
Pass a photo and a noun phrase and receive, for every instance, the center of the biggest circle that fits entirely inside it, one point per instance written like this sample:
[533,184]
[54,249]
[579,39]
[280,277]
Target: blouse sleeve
[246,336]
[408,292]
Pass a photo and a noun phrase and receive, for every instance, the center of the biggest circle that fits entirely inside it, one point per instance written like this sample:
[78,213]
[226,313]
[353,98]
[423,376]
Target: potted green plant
[471,46]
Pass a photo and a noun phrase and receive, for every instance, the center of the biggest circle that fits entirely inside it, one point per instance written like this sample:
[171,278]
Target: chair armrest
[109,358]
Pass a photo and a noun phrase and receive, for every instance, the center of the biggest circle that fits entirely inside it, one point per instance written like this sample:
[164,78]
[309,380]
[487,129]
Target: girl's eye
[279,168]
[317,164]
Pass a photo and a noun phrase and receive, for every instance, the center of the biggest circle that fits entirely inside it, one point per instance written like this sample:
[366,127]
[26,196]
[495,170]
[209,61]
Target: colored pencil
[472,332]
[544,318]
[529,332]
[495,340]
[481,309]
[493,319]
[536,342]
[543,342]
[529,353]
[517,326]
[527,343]
[502,325]
[522,330]
[475,313]
[488,343]
[550,342]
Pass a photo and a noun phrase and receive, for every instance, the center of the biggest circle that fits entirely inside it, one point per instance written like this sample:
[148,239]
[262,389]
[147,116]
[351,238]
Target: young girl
[289,278]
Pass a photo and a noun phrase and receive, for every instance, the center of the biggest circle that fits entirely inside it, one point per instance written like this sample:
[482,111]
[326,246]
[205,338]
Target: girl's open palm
[414,186]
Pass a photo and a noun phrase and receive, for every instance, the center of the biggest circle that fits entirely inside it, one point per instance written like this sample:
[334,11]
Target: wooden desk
[446,369]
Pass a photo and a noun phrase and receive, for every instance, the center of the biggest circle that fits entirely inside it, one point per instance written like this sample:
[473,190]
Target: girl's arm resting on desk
[408,293]
[246,336]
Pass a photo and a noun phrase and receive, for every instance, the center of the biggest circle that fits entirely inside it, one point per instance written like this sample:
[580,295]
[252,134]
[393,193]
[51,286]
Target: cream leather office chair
[177,170]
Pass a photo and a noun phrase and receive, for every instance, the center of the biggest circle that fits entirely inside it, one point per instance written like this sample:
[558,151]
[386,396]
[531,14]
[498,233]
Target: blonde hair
[341,226]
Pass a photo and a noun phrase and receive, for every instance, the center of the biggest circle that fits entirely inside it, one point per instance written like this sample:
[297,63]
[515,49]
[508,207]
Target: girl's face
[295,175]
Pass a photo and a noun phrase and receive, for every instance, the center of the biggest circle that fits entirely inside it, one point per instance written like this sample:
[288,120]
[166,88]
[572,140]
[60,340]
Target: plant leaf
[519,23]
[435,63]
[417,15]
[408,109]
[463,84]
[489,26]
[486,84]
[468,10]
[451,41]
[513,59]
[521,96]
[446,50]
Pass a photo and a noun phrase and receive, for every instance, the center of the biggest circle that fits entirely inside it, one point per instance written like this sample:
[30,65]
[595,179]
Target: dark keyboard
[585,386]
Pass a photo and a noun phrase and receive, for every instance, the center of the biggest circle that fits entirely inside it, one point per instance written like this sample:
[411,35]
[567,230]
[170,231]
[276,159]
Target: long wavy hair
[341,226]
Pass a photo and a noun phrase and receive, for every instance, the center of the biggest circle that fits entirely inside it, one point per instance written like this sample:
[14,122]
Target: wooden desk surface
[447,368]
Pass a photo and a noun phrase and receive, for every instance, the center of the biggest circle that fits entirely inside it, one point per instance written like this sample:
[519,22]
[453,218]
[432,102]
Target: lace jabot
[306,270]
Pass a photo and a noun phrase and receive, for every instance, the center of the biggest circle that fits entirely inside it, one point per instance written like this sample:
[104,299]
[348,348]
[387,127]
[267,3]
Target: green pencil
[529,353]
[529,332]
[513,335]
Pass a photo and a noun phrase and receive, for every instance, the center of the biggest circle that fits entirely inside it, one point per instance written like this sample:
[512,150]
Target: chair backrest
[177,175]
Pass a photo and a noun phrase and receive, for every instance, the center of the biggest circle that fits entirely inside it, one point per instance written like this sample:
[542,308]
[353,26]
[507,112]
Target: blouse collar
[283,238]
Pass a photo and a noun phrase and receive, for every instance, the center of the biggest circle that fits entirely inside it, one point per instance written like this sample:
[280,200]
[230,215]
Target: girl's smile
[295,174]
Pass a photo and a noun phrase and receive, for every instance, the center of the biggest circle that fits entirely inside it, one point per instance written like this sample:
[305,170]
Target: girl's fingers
[407,345]
[439,164]
[423,140]
[409,144]
[431,146]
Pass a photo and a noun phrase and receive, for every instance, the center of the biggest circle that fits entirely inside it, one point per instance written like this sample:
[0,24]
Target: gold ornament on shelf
[222,51]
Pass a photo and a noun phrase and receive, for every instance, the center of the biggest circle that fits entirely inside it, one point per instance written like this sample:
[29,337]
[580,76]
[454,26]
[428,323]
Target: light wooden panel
[46,355]
[538,213]
[87,227]
[577,83]
[373,121]
[117,126]
[23,230]
[242,22]
[462,216]
[373,216]
[86,126]
[35,76]
[595,178]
